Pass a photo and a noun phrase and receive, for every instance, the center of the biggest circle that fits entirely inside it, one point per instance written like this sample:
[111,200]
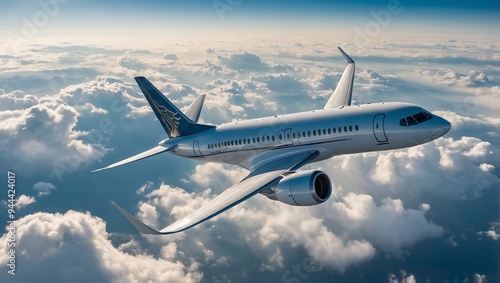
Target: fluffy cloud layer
[58,105]
[75,247]
[446,167]
[338,234]
[44,133]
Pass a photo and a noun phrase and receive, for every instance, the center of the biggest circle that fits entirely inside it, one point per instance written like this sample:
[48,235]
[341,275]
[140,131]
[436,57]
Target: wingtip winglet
[347,58]
[143,228]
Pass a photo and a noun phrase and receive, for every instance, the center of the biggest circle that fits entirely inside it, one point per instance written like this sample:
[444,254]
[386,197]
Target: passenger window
[356,127]
[258,139]
[350,128]
[319,132]
[314,133]
[334,130]
[293,135]
[304,134]
[340,130]
[268,138]
[298,134]
[329,131]
[308,133]
[345,128]
[272,137]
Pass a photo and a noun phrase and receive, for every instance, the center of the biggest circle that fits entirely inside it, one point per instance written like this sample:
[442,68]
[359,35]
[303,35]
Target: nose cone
[442,126]
[446,126]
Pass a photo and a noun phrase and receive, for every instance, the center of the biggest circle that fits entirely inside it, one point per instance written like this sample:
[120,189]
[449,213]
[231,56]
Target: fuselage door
[285,136]
[378,128]
[281,137]
[196,148]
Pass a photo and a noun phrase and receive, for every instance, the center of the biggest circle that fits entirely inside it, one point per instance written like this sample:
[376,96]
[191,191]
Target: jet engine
[303,188]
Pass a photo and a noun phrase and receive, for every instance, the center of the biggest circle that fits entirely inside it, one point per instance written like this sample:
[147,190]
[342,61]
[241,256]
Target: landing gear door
[378,128]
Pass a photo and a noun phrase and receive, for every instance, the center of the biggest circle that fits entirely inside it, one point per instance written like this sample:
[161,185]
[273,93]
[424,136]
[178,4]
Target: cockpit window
[415,119]
[411,121]
[422,117]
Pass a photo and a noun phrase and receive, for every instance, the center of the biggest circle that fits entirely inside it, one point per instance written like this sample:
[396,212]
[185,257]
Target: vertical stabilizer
[171,118]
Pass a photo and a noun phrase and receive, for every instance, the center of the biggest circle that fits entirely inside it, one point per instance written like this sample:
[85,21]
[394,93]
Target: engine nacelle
[304,188]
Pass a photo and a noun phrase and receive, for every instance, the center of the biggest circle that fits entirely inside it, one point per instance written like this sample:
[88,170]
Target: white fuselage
[352,129]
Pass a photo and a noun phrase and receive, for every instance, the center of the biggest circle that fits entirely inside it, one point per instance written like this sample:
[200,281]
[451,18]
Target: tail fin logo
[169,118]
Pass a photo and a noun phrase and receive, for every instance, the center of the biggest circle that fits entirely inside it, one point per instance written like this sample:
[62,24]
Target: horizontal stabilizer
[194,110]
[143,228]
[148,153]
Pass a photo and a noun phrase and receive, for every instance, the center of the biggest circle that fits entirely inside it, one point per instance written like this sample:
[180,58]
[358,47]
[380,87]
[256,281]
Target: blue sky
[427,212]
[254,14]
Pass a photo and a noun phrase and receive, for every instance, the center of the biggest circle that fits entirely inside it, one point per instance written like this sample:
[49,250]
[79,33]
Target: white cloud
[243,62]
[171,56]
[109,93]
[24,200]
[43,188]
[445,167]
[274,262]
[356,217]
[451,77]
[370,81]
[404,278]
[45,134]
[280,83]
[75,248]
[131,63]
[16,100]
[493,232]
[217,176]
[389,226]
[479,278]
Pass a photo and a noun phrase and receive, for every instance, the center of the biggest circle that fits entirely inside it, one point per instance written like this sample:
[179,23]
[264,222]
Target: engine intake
[304,188]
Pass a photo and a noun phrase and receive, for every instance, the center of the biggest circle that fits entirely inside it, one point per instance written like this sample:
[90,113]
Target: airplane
[273,149]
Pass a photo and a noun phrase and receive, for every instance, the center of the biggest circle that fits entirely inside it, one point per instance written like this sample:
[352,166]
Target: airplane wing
[342,96]
[248,187]
[154,151]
